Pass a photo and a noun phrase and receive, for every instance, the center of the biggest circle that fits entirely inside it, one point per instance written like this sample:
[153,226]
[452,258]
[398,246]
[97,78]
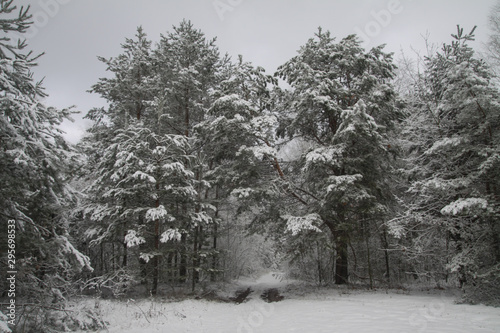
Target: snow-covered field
[331,310]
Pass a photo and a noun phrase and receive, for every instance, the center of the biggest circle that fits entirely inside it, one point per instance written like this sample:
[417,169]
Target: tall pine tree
[341,104]
[35,164]
[453,165]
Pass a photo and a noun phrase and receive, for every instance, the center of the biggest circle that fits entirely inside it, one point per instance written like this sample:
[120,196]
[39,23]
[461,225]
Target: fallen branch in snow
[241,296]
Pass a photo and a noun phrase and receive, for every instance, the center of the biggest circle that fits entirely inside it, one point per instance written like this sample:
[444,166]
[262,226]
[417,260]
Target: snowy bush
[484,288]
[67,317]
[4,327]
[110,285]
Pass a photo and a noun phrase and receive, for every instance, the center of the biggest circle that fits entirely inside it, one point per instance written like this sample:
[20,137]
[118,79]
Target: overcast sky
[72,33]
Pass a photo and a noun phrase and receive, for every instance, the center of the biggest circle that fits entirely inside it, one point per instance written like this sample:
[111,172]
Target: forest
[344,167]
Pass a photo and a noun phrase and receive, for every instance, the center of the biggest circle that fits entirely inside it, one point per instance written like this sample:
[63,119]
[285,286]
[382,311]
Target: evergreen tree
[342,105]
[128,93]
[160,95]
[146,184]
[35,163]
[186,69]
[238,140]
[454,164]
[187,66]
[239,130]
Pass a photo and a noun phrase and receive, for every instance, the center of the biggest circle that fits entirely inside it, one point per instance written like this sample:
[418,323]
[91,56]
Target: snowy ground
[326,311]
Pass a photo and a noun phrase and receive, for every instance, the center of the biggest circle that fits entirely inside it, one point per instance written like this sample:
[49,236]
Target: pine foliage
[452,152]
[35,168]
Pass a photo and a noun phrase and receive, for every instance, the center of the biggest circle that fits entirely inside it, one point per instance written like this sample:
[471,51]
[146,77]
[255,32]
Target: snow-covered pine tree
[148,181]
[453,166]
[35,164]
[187,67]
[168,90]
[186,70]
[240,130]
[341,103]
[128,93]
[128,90]
[238,138]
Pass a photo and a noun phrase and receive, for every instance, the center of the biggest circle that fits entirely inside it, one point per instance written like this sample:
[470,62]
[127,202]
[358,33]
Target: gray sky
[73,33]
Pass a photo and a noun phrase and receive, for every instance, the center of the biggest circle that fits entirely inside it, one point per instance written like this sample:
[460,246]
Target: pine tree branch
[308,193]
[481,109]
[282,176]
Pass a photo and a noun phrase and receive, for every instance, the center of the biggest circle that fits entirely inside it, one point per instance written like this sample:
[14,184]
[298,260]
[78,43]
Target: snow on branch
[439,184]
[179,168]
[201,218]
[208,206]
[241,192]
[144,176]
[443,144]
[397,227]
[490,164]
[97,213]
[264,124]
[328,155]
[297,224]
[146,256]
[176,140]
[157,213]
[232,101]
[69,250]
[170,234]
[258,151]
[342,183]
[132,239]
[464,205]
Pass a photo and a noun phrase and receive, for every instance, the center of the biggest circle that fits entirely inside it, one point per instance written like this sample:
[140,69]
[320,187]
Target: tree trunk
[156,259]
[320,268]
[368,254]
[196,273]
[385,243]
[341,248]
[183,261]
[495,229]
[186,114]
[144,266]
[125,248]
[213,274]
[341,262]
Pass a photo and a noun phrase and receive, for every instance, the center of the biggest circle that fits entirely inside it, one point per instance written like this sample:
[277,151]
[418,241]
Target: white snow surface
[322,310]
